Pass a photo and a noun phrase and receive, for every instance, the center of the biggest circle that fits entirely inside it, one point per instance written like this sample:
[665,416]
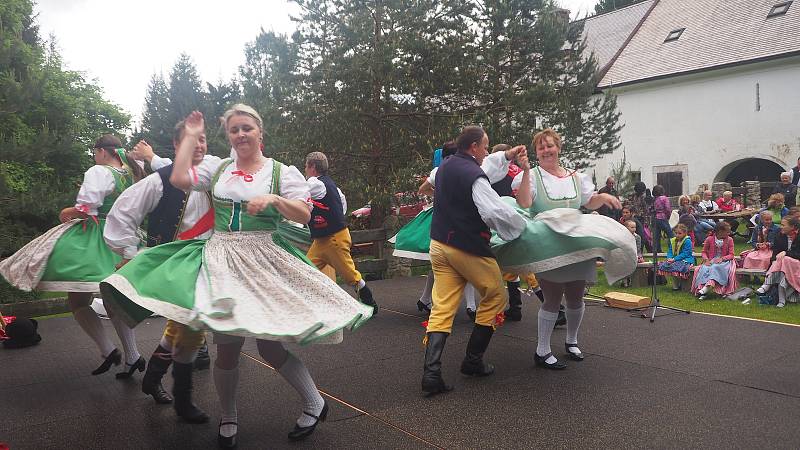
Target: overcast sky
[121,43]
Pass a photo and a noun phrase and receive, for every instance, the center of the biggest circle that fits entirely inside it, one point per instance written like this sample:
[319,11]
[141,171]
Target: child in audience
[718,271]
[785,271]
[680,261]
[762,240]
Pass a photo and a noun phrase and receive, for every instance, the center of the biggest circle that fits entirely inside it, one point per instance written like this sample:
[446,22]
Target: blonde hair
[775,199]
[681,227]
[682,198]
[240,109]
[547,132]
[694,198]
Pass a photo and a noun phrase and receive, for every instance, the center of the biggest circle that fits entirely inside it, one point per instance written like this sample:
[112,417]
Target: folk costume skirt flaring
[70,257]
[249,283]
[414,239]
[562,245]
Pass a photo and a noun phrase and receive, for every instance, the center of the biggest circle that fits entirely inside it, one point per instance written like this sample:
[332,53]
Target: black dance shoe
[365,296]
[574,356]
[562,318]
[513,314]
[139,365]
[227,441]
[113,358]
[541,361]
[471,313]
[299,433]
[423,307]
[202,361]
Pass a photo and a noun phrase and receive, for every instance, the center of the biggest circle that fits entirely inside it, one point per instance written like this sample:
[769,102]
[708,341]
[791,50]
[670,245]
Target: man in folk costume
[172,214]
[464,209]
[331,237]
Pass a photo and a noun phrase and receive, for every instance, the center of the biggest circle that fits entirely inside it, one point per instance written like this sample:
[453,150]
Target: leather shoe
[541,361]
[571,355]
[299,432]
[139,365]
[513,314]
[471,313]
[423,307]
[562,318]
[226,441]
[115,358]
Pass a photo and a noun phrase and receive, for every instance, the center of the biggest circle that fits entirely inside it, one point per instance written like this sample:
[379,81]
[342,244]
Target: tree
[155,128]
[604,6]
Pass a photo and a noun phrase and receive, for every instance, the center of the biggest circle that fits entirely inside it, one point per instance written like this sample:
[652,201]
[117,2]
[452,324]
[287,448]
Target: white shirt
[705,204]
[139,200]
[495,214]
[318,191]
[293,185]
[559,187]
[494,166]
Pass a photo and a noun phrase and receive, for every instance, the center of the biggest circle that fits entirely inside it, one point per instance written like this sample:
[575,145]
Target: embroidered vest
[327,217]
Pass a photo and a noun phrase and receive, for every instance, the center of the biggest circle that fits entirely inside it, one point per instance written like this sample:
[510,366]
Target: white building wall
[709,120]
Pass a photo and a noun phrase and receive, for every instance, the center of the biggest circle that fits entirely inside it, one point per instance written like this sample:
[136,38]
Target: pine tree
[604,6]
[155,128]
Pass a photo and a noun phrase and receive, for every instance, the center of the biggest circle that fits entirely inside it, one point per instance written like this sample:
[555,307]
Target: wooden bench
[374,238]
[750,272]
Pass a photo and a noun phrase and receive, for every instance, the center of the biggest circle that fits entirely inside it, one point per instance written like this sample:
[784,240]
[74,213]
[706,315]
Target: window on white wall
[674,178]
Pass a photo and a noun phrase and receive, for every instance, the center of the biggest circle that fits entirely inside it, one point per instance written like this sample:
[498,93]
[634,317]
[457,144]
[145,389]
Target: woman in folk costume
[414,239]
[762,240]
[560,244]
[784,272]
[72,257]
[247,280]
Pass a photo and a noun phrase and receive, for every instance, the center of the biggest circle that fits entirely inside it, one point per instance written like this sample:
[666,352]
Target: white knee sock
[226,382]
[469,296]
[91,325]
[297,375]
[427,294]
[128,339]
[781,295]
[165,343]
[547,320]
[574,318]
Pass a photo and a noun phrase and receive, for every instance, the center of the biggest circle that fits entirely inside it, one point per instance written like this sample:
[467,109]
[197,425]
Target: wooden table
[743,216]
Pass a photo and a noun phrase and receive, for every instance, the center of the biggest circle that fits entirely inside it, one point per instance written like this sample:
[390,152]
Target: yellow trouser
[181,336]
[334,251]
[529,277]
[452,269]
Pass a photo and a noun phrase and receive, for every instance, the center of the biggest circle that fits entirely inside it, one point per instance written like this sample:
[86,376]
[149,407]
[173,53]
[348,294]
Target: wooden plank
[743,271]
[625,301]
[364,236]
[372,265]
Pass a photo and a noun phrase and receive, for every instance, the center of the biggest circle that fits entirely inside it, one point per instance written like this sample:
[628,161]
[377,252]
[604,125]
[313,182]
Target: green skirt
[250,284]
[414,239]
[71,257]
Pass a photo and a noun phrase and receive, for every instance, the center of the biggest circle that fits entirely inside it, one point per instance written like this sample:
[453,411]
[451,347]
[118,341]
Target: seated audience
[784,273]
[718,269]
[680,262]
[762,241]
[788,189]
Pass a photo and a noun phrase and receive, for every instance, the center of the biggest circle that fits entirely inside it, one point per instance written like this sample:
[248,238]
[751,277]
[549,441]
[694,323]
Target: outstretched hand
[522,157]
[195,124]
[142,151]
[610,201]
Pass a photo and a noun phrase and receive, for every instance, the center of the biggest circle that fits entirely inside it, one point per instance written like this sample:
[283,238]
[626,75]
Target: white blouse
[293,185]
[98,182]
[559,187]
[139,200]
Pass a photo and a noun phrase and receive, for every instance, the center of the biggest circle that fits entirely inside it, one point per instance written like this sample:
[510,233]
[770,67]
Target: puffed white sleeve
[293,185]
[587,188]
[158,162]
[316,188]
[432,176]
[202,174]
[517,181]
[128,213]
[497,215]
[495,166]
[98,182]
[344,201]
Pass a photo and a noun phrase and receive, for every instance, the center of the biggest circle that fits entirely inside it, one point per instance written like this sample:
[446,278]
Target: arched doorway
[752,169]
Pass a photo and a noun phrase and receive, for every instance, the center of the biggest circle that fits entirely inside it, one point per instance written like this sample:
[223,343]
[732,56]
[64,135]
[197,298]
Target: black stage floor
[684,381]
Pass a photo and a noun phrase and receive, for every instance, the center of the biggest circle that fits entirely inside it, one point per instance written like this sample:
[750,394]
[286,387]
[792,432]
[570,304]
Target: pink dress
[758,259]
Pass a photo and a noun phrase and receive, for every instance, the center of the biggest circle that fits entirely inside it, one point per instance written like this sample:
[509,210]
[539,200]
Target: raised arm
[195,127]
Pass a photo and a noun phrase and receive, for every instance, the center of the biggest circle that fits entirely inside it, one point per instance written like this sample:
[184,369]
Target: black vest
[456,221]
[164,221]
[327,216]
[503,187]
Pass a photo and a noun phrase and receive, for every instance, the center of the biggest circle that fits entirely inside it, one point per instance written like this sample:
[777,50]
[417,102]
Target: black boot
[432,381]
[202,361]
[156,368]
[182,391]
[562,317]
[473,361]
[365,295]
[514,311]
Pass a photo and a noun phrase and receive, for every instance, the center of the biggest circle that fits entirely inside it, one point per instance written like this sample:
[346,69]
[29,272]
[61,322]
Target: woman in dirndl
[762,240]
[73,258]
[247,280]
[784,272]
[561,245]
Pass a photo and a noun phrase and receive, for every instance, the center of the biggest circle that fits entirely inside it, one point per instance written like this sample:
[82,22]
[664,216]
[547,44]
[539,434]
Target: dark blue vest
[327,216]
[456,221]
[164,221]
[503,187]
